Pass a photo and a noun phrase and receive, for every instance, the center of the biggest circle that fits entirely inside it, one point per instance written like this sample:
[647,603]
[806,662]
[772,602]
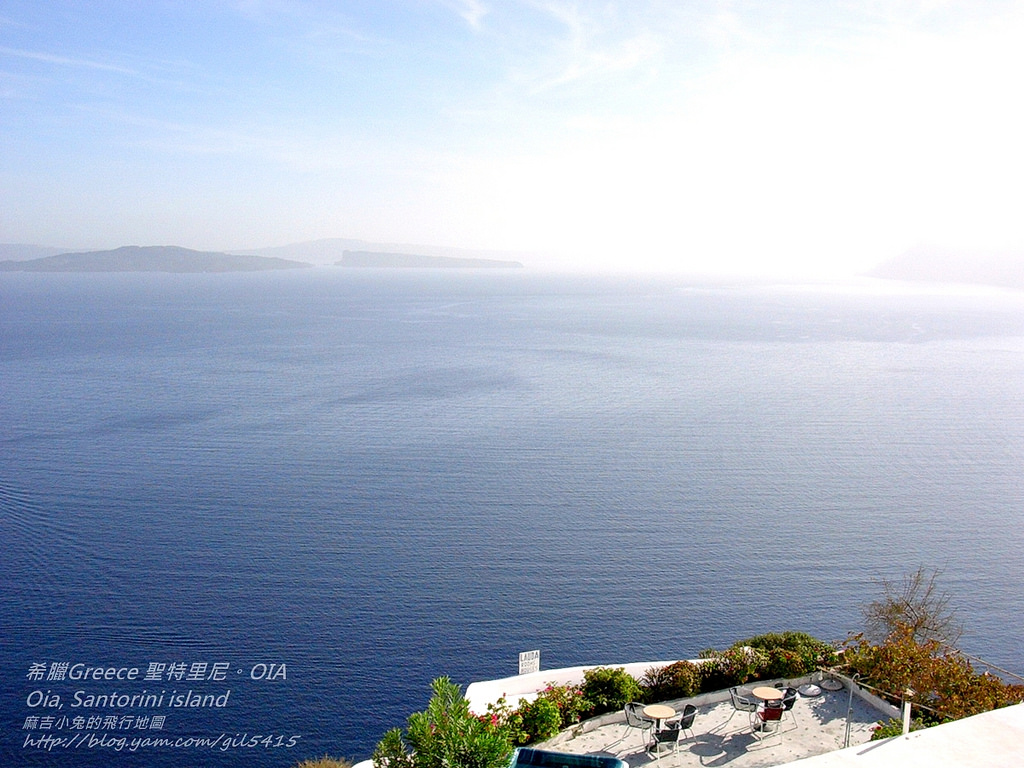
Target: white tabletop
[659,711]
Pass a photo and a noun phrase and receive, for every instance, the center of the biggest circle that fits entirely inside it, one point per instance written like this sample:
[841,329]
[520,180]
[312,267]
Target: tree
[914,604]
[446,735]
[941,678]
[907,650]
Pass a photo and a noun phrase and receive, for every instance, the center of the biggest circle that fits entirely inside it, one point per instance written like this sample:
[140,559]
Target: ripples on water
[379,479]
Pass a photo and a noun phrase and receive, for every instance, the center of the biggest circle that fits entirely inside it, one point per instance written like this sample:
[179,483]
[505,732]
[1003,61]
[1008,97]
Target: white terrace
[722,736]
[831,730]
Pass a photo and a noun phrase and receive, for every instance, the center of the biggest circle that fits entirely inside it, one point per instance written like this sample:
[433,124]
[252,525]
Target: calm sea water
[354,482]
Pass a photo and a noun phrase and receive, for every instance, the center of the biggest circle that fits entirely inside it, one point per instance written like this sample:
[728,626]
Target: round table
[764,693]
[658,712]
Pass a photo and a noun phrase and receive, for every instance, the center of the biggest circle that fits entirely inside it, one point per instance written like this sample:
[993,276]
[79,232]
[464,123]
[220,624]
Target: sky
[796,137]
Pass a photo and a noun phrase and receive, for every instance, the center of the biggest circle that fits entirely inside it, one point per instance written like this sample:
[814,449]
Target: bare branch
[915,604]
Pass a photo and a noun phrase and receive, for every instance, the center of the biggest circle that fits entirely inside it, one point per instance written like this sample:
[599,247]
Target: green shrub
[392,751]
[444,735]
[503,716]
[325,762]
[713,675]
[609,688]
[725,669]
[741,664]
[764,657]
[555,708]
[791,654]
[679,680]
[892,728]
[568,700]
[541,720]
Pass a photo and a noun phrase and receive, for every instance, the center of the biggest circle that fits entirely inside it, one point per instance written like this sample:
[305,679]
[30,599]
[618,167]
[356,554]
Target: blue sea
[315,491]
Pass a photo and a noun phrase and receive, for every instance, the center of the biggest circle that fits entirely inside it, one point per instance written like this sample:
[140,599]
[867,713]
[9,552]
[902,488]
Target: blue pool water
[543,759]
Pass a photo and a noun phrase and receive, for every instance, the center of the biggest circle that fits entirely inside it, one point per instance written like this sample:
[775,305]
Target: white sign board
[529,661]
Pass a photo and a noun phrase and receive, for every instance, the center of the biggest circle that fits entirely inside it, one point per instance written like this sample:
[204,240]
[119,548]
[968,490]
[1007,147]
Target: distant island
[330,251]
[23,252]
[417,261]
[944,265]
[154,258]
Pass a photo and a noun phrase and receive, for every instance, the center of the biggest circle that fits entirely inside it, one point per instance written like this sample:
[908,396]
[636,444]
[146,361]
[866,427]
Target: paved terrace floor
[818,727]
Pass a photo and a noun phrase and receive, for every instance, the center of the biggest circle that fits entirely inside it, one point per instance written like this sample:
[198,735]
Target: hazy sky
[785,135]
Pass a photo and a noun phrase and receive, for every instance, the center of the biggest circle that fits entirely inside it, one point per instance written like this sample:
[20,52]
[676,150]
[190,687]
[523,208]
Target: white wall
[528,686]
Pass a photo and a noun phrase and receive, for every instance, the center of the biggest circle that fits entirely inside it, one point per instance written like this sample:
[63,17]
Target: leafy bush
[609,688]
[893,728]
[392,751]
[764,657]
[713,675]
[675,681]
[325,762]
[503,716]
[733,666]
[541,720]
[791,654]
[783,663]
[568,700]
[444,735]
[555,708]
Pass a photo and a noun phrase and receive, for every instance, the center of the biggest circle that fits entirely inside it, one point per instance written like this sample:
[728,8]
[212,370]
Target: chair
[740,703]
[788,700]
[635,718]
[686,721]
[764,723]
[667,735]
[670,733]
